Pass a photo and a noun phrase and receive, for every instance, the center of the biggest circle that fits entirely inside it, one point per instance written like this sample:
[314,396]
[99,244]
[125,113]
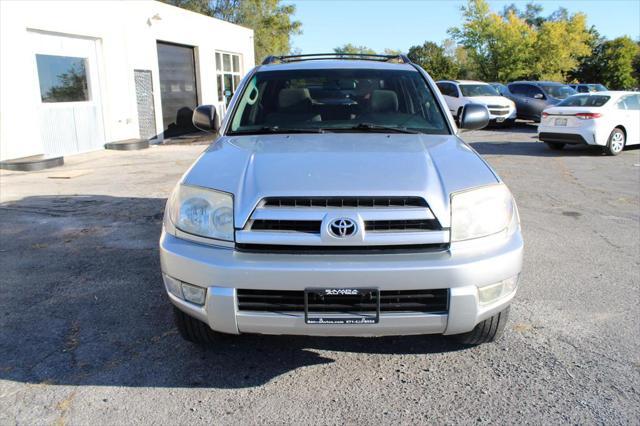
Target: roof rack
[402,59]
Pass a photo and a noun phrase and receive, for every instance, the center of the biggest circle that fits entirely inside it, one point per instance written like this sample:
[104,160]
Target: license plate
[352,306]
[561,121]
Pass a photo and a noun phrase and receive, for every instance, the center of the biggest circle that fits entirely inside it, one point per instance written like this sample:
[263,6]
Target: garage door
[178,94]
[70,112]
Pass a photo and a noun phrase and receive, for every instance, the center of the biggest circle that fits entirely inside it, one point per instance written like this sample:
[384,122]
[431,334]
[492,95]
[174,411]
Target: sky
[400,24]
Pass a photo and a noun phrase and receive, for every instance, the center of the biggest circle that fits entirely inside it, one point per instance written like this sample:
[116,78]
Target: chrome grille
[381,222]
[345,202]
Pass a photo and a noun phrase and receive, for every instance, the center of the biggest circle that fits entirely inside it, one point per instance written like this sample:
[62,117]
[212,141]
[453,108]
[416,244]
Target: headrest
[346,84]
[384,101]
[294,99]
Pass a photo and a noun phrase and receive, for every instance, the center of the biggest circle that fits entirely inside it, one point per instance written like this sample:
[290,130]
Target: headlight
[202,212]
[480,212]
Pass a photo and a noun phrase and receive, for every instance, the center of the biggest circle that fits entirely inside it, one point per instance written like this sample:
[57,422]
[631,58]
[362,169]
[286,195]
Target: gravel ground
[87,335]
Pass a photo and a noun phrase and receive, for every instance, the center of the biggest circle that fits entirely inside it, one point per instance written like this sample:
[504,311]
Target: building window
[227,75]
[62,78]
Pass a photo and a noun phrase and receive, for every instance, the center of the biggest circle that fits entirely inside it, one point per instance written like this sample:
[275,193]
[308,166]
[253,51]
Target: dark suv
[532,97]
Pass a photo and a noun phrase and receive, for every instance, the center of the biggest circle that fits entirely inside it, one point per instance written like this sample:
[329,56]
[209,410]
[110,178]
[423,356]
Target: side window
[633,102]
[453,90]
[517,89]
[583,89]
[447,89]
[532,91]
[622,103]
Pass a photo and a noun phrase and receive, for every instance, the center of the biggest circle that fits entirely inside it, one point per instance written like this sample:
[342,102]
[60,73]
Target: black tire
[487,331]
[616,143]
[193,330]
[556,146]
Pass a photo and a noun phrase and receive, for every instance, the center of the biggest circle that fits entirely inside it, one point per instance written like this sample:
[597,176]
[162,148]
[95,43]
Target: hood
[339,164]
[491,100]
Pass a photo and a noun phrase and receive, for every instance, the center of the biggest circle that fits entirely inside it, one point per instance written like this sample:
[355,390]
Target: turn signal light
[545,114]
[588,115]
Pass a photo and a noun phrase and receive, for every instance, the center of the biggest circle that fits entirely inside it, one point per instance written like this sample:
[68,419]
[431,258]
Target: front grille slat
[401,225]
[309,226]
[345,202]
[423,301]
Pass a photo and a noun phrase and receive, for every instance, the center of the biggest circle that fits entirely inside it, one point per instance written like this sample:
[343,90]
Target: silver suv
[338,200]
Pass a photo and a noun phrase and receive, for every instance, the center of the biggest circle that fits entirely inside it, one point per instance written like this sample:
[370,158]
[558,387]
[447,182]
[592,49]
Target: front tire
[487,331]
[556,146]
[193,330]
[617,141]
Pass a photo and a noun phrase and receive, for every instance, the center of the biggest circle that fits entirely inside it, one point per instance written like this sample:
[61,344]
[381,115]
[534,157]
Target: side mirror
[538,96]
[474,117]
[205,118]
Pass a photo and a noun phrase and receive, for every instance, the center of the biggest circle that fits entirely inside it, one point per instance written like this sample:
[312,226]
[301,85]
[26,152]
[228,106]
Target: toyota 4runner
[338,200]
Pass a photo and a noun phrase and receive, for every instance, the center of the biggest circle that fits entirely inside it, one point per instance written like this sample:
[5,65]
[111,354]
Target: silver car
[338,200]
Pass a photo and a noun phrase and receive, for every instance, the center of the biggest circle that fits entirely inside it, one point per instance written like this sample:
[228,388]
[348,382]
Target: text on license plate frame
[348,318]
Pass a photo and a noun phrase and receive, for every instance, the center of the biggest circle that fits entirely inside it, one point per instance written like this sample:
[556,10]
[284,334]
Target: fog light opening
[194,294]
[493,292]
[173,286]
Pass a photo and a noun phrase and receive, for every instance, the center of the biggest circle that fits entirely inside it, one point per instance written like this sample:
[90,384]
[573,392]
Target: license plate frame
[342,317]
[561,122]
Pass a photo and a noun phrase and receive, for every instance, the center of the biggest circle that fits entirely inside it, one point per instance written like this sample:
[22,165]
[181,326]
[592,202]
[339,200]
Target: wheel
[616,143]
[192,329]
[556,146]
[487,331]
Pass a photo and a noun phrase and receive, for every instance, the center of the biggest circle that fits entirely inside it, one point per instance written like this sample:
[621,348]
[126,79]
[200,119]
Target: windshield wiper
[277,130]
[377,128]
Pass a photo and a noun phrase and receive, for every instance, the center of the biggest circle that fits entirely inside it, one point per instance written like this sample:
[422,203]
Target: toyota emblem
[342,227]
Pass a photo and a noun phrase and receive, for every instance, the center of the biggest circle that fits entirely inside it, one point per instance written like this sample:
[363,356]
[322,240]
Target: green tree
[434,60]
[270,20]
[500,48]
[394,52]
[517,44]
[616,63]
[350,48]
[559,46]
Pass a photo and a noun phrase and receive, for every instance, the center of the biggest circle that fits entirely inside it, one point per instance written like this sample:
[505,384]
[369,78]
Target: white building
[75,75]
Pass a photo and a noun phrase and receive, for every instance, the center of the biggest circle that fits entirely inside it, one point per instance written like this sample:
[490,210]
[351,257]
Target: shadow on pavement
[530,146]
[81,303]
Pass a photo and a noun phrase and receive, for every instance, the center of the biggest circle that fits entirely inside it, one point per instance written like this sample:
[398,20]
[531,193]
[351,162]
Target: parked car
[588,88]
[338,200]
[608,119]
[501,88]
[532,97]
[458,93]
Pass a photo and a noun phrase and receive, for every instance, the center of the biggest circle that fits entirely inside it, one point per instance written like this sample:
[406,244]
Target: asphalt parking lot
[87,334]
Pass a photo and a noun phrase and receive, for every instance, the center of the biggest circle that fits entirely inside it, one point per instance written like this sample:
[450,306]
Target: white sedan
[609,119]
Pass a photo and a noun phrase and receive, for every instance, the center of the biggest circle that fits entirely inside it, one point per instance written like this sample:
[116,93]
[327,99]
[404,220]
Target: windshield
[470,90]
[585,100]
[355,100]
[558,91]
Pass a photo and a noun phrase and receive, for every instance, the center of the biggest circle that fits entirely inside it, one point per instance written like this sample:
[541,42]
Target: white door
[632,119]
[70,111]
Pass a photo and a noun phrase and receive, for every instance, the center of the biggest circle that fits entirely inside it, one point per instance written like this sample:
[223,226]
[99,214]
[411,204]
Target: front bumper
[501,118]
[223,270]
